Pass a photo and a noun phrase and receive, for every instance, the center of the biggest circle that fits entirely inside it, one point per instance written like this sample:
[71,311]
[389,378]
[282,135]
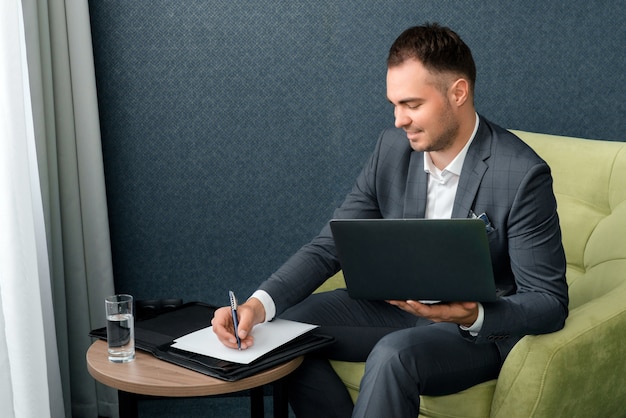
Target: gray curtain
[67,134]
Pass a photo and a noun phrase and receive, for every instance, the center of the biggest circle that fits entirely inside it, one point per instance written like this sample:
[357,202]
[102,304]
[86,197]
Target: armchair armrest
[570,372]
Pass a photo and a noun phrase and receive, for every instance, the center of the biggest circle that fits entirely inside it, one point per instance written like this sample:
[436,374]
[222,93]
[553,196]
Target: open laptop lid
[417,259]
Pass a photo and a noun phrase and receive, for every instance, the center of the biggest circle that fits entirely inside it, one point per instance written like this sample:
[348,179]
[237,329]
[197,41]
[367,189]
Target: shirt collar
[455,165]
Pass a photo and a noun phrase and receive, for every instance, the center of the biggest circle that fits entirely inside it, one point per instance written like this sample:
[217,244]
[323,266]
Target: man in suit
[442,160]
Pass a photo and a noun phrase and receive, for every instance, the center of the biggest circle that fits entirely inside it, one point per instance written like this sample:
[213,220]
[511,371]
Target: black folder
[156,335]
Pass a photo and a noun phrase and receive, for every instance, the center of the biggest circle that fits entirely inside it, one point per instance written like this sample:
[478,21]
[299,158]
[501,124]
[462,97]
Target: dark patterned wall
[231,129]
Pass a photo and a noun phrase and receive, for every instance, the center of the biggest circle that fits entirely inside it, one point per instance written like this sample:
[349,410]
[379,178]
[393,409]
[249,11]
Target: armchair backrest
[590,187]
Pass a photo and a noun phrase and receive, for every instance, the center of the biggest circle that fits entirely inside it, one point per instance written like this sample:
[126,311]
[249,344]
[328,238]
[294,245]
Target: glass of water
[120,328]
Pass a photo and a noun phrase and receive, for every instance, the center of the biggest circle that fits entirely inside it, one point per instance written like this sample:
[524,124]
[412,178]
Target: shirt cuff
[267,302]
[478,324]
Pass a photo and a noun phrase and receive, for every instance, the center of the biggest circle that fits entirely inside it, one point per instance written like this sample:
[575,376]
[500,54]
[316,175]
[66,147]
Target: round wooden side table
[147,375]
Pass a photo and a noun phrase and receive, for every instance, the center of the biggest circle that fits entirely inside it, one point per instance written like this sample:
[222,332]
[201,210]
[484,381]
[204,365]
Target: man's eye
[413,106]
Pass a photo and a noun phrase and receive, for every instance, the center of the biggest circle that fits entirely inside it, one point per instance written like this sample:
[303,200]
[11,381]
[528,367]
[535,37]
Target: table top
[147,375]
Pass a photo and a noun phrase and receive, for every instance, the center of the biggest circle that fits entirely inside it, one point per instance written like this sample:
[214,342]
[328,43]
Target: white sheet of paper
[267,337]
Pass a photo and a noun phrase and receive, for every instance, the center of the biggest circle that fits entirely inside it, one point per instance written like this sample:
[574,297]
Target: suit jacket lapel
[416,188]
[472,173]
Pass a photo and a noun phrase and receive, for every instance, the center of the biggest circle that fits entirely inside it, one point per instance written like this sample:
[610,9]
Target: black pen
[233,310]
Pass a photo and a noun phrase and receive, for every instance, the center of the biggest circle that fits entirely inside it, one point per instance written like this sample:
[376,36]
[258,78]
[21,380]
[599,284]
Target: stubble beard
[448,136]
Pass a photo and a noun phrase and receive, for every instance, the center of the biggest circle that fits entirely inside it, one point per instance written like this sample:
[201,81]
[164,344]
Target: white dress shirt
[442,185]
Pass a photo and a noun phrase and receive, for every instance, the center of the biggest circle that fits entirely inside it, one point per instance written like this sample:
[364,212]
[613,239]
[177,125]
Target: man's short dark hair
[438,48]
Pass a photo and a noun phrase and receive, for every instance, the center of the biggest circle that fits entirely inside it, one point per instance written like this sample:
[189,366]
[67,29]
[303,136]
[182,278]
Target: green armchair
[579,371]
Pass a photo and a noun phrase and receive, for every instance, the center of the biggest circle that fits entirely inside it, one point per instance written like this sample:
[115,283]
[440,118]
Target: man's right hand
[249,314]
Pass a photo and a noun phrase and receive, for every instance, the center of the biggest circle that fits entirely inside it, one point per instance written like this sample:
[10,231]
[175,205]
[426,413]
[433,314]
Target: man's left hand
[462,313]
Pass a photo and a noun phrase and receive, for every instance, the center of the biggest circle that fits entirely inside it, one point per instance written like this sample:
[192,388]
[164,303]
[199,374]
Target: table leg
[257,409]
[281,406]
[127,404]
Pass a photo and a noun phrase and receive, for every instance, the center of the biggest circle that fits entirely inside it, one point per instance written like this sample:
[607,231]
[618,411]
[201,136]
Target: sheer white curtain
[30,382]
[55,261]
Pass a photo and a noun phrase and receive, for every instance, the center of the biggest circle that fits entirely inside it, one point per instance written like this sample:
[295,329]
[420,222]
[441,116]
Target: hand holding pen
[245,317]
[233,310]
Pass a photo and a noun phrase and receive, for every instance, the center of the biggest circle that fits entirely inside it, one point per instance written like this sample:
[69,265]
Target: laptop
[430,260]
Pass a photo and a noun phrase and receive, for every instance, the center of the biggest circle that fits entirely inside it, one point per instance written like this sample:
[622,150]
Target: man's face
[421,108]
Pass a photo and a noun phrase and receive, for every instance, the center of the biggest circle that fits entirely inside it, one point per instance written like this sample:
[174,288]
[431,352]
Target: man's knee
[409,352]
[393,354]
[386,349]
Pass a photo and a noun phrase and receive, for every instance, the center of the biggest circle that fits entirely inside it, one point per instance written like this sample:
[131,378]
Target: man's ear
[459,92]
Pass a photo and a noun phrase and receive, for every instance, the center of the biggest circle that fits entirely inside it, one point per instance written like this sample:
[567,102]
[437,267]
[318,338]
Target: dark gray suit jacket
[501,177]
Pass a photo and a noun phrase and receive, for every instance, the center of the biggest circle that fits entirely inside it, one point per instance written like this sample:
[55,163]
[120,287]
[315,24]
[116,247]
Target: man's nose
[402,119]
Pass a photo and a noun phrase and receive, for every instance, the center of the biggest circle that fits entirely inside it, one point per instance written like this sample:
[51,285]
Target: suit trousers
[406,356]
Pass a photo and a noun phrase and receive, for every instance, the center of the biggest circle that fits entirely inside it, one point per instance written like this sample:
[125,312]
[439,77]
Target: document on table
[267,337]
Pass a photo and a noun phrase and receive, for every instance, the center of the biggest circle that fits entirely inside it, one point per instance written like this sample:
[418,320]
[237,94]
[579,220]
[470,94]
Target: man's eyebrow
[407,100]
